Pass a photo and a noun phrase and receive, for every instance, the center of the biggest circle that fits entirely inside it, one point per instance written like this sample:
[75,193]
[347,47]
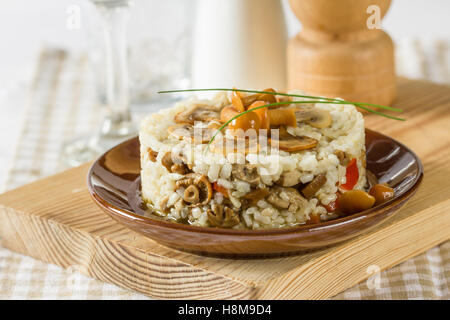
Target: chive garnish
[361,105]
[292,95]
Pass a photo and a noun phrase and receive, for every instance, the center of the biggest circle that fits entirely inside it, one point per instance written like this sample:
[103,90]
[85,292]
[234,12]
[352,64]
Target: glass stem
[117,121]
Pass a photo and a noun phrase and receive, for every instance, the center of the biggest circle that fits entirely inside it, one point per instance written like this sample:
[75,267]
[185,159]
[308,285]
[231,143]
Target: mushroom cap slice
[254,196]
[246,172]
[191,194]
[290,143]
[282,117]
[267,97]
[289,178]
[314,185]
[222,216]
[200,112]
[236,101]
[184,131]
[203,186]
[315,117]
[227,113]
[181,131]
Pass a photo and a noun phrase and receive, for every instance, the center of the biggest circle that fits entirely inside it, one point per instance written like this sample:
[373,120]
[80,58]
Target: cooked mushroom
[290,143]
[317,118]
[275,199]
[267,97]
[178,168]
[295,198]
[289,178]
[181,131]
[262,113]
[227,113]
[341,156]
[381,193]
[314,185]
[163,205]
[188,132]
[249,120]
[200,112]
[174,163]
[152,154]
[251,198]
[354,201]
[286,198]
[236,101]
[282,117]
[166,161]
[202,185]
[283,98]
[191,194]
[246,172]
[222,216]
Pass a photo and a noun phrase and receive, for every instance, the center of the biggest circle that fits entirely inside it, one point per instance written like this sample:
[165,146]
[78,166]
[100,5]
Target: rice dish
[286,178]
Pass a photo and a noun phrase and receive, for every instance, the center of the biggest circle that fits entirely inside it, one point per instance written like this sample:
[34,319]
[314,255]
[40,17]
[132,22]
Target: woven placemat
[62,105]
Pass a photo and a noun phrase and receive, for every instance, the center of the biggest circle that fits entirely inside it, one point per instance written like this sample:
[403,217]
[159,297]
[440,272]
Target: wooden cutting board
[54,220]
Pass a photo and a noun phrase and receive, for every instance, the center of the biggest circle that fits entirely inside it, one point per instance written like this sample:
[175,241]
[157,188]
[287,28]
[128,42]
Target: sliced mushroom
[282,117]
[236,101]
[246,172]
[275,200]
[152,154]
[191,194]
[262,113]
[174,163]
[222,216]
[290,143]
[163,205]
[227,113]
[166,161]
[184,131]
[291,200]
[314,185]
[283,98]
[295,198]
[249,99]
[252,198]
[181,131]
[342,157]
[289,178]
[202,185]
[317,118]
[201,112]
[249,120]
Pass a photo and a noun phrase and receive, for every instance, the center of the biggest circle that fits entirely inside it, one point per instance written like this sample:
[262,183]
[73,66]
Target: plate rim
[304,228]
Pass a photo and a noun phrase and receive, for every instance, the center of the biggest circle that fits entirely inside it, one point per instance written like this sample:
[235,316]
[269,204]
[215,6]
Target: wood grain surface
[55,220]
[336,54]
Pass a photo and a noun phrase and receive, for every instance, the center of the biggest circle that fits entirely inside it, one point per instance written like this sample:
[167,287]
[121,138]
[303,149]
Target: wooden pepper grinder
[340,53]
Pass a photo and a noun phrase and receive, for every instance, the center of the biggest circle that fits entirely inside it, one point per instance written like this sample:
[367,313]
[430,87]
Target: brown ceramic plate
[114,184]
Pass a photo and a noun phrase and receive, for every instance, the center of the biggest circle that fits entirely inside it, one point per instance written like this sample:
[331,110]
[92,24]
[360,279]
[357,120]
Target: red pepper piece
[351,175]
[333,205]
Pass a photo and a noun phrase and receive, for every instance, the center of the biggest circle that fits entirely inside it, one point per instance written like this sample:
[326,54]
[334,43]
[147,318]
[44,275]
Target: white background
[27,25]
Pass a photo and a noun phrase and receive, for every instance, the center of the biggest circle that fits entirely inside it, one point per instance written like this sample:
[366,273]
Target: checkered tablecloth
[61,105]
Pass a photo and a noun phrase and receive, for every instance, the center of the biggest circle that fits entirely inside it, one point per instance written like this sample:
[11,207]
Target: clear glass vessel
[116,125]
